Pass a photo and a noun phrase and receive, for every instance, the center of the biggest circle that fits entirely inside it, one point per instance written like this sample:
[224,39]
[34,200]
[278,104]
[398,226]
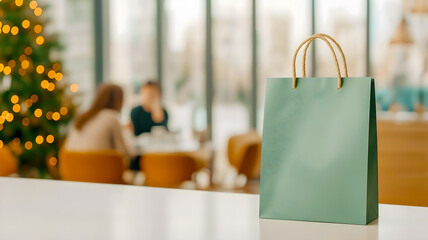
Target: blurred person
[150,113]
[99,127]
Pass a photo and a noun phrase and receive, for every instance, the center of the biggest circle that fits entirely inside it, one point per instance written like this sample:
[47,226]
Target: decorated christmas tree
[35,101]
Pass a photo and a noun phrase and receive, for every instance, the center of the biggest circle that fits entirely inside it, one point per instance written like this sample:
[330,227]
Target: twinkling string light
[52,75]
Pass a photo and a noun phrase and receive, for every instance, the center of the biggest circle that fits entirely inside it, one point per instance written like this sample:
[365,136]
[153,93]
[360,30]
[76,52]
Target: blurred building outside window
[282,26]
[346,21]
[183,83]
[231,21]
[73,21]
[132,47]
[399,39]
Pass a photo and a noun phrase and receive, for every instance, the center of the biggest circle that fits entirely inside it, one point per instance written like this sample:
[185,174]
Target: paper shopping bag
[319,149]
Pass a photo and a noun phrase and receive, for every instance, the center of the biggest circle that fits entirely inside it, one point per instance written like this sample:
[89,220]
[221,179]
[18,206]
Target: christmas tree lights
[35,103]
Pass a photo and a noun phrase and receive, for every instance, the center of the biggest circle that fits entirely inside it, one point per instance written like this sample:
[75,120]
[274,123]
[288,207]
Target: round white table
[153,145]
[47,209]
[160,143]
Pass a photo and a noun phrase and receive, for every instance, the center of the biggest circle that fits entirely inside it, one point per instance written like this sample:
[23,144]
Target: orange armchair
[8,162]
[244,154]
[105,166]
[168,169]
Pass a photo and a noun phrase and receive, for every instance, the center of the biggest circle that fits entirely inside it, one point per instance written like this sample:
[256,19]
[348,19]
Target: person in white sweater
[99,127]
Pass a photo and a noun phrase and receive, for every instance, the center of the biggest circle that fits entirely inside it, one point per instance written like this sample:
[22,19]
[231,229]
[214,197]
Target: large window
[282,26]
[73,21]
[400,54]
[346,22]
[132,46]
[184,64]
[232,68]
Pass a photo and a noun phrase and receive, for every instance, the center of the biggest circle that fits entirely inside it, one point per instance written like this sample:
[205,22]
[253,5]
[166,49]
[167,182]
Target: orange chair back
[403,163]
[8,162]
[244,154]
[98,167]
[167,169]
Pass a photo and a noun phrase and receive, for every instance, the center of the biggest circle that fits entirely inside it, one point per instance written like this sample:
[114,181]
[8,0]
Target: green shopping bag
[319,150]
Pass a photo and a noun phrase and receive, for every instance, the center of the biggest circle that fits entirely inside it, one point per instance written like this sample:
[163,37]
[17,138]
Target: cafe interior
[198,70]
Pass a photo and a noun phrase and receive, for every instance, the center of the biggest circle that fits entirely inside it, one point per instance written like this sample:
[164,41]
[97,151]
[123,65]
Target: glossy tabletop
[44,209]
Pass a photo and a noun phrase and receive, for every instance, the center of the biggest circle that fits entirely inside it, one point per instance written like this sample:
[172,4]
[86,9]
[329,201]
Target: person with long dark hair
[99,128]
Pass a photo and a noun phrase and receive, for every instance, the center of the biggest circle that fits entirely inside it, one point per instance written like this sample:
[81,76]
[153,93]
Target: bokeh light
[26,24]
[38,11]
[25,64]
[19,2]
[14,99]
[49,115]
[6,28]
[40,40]
[11,63]
[44,84]
[33,4]
[14,30]
[4,113]
[39,139]
[40,69]
[26,121]
[22,72]
[50,138]
[28,103]
[28,50]
[63,111]
[38,28]
[9,117]
[16,108]
[7,70]
[28,145]
[51,87]
[56,116]
[22,57]
[74,87]
[53,161]
[58,76]
[38,112]
[34,98]
[16,141]
[51,74]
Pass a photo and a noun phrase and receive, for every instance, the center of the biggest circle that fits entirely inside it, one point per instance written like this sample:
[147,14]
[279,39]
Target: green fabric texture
[319,151]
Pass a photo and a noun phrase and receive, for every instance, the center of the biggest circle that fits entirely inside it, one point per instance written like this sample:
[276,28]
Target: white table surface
[147,144]
[43,209]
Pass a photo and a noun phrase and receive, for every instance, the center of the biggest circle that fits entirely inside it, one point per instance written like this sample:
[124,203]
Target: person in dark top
[150,113]
[143,122]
